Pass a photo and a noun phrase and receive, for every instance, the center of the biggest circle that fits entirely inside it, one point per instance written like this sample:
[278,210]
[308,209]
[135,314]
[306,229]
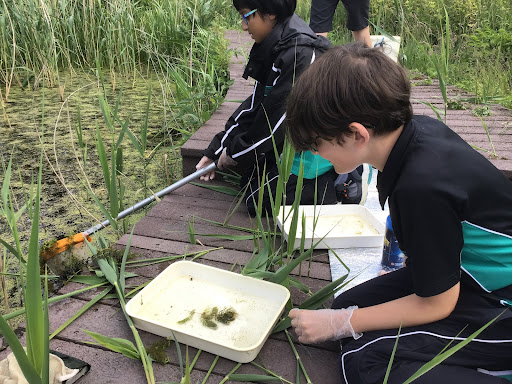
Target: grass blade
[103,158]
[253,378]
[45,374]
[112,191]
[81,311]
[226,378]
[54,299]
[123,346]
[26,367]
[109,272]
[443,356]
[218,188]
[5,185]
[33,299]
[178,351]
[106,213]
[390,364]
[13,251]
[122,274]
[210,370]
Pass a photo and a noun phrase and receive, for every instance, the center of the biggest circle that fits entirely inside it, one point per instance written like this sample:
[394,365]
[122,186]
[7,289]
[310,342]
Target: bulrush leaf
[81,311]
[253,378]
[123,346]
[103,158]
[218,188]
[390,363]
[26,367]
[33,299]
[122,273]
[443,356]
[109,272]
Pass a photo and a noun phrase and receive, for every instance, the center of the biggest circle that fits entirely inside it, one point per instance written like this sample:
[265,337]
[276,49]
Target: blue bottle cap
[388,223]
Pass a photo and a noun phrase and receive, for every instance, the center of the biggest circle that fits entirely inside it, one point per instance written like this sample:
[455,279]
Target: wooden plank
[178,231]
[164,232]
[145,247]
[110,321]
[195,191]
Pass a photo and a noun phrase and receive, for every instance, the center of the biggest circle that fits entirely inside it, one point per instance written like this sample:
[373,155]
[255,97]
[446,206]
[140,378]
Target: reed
[34,361]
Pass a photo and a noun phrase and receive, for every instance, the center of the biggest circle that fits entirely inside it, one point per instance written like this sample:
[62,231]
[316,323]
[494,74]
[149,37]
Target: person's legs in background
[363,35]
[322,14]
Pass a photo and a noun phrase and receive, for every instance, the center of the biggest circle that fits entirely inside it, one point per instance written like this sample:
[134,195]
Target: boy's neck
[380,147]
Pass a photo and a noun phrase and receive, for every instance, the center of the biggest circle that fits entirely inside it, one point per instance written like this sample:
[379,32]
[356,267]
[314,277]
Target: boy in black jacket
[452,215]
[284,47]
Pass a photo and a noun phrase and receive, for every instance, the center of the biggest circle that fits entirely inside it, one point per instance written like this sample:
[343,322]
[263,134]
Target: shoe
[352,188]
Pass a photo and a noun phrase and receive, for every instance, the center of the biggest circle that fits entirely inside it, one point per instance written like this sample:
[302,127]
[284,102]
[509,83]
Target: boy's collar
[387,178]
[261,55]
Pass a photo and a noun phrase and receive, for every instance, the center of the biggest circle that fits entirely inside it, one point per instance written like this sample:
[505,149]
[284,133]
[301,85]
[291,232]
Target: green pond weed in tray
[337,226]
[208,308]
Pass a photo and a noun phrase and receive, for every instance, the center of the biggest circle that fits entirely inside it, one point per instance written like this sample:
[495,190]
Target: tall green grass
[39,39]
[479,40]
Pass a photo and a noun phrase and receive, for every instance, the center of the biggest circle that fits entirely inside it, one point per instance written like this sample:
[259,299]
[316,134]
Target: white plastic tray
[339,226]
[186,286]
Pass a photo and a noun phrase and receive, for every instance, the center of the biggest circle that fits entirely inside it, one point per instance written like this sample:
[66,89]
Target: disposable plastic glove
[323,324]
[225,161]
[204,162]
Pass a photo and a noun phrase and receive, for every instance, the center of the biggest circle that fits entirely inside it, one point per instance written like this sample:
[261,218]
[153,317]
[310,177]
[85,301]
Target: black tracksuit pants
[323,185]
[366,360]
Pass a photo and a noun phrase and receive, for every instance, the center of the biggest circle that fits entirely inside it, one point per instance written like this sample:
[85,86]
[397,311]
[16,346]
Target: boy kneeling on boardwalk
[452,215]
[284,46]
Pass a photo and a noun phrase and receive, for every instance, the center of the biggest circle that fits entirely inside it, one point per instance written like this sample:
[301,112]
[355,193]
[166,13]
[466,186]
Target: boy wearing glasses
[283,47]
[455,229]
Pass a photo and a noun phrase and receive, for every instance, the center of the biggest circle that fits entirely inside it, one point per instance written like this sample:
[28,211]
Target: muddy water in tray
[341,225]
[179,306]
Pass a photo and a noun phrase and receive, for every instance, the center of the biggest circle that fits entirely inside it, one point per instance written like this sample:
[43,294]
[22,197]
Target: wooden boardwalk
[164,232]
[497,146]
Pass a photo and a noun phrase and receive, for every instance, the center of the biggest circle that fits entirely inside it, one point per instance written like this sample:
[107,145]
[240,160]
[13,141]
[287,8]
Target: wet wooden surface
[164,232]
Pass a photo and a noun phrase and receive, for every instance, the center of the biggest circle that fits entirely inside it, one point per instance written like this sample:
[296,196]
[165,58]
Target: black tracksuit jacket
[274,64]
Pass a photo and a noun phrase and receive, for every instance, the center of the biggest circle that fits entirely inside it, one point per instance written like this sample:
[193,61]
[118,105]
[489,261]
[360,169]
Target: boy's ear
[361,134]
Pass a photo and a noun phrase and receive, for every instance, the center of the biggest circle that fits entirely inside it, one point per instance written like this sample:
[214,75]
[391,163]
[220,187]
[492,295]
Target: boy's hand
[204,162]
[323,324]
[225,161]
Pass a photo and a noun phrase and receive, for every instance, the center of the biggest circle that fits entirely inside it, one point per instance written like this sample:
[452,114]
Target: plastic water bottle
[392,256]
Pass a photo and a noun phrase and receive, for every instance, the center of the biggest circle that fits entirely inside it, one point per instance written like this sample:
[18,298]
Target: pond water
[32,117]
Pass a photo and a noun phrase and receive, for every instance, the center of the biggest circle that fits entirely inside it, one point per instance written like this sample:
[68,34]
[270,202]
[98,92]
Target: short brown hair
[347,83]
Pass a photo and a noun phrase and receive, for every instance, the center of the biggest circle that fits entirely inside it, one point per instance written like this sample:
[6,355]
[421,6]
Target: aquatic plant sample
[188,318]
[157,351]
[207,317]
[226,315]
